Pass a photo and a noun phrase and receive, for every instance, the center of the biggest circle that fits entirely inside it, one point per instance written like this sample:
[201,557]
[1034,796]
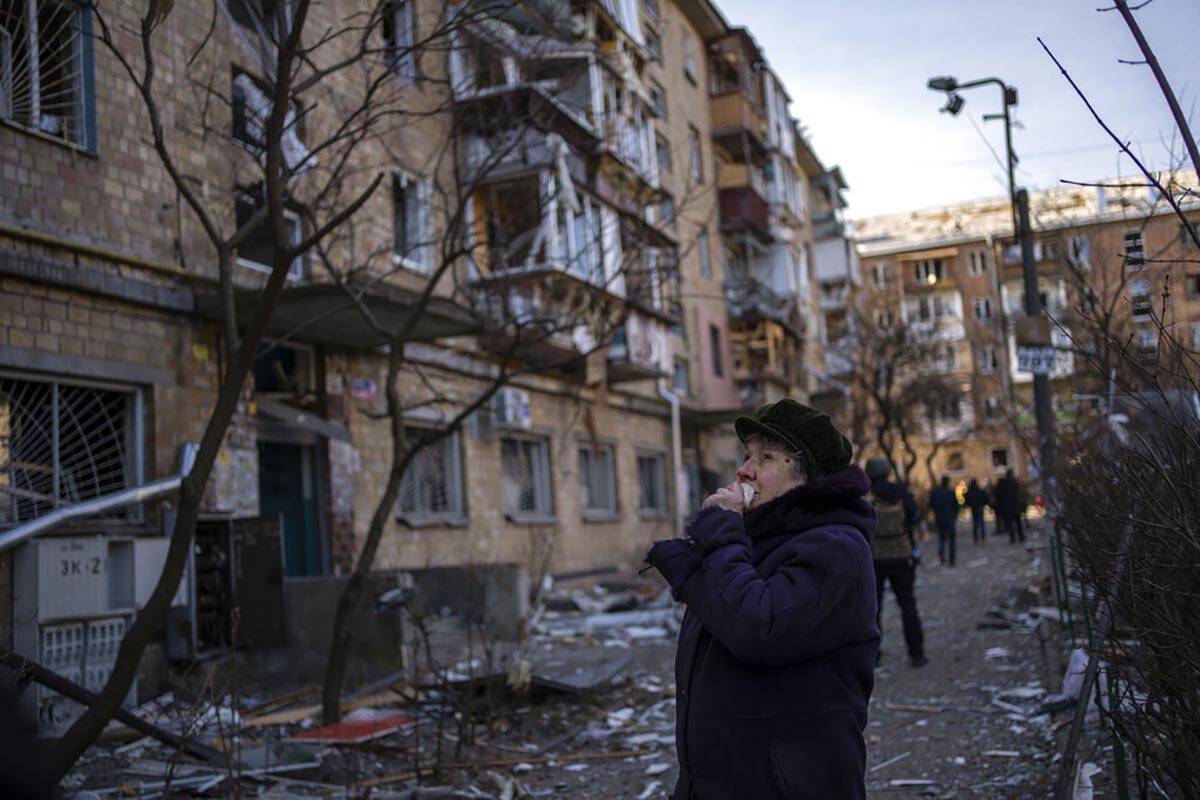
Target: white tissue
[747,493]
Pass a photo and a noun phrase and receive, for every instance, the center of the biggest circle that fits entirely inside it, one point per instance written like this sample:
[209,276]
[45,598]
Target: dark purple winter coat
[775,660]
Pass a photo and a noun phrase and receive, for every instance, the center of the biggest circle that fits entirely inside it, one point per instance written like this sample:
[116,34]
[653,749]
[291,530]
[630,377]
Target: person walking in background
[944,505]
[976,499]
[895,552]
[1008,506]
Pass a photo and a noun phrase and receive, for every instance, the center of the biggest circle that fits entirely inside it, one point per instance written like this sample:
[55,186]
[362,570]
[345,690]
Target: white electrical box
[73,600]
[512,408]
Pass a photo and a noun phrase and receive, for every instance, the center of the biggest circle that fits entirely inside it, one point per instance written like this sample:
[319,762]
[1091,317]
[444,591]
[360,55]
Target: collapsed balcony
[587,90]
[568,258]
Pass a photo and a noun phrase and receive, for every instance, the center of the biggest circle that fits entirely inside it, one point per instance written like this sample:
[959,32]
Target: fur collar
[787,513]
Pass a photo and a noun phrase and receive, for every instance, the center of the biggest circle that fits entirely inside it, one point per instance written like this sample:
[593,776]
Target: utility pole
[1043,399]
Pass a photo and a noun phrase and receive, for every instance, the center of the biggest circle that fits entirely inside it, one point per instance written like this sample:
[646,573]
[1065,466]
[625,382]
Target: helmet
[878,468]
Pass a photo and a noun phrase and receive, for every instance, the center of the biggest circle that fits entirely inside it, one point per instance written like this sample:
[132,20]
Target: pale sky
[856,71]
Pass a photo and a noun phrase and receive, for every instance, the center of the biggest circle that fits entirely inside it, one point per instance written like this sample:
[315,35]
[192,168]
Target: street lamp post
[1022,232]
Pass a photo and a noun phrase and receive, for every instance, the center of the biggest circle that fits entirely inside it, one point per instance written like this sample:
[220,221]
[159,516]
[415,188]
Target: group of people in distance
[1007,499]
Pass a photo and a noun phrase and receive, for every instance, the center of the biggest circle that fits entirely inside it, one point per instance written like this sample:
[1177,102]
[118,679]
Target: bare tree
[270,157]
[897,370]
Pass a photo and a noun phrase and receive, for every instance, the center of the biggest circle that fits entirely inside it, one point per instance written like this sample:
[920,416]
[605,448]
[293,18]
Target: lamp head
[954,104]
[943,83]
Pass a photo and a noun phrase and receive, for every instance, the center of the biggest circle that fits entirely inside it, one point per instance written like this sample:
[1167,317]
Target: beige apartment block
[1112,250]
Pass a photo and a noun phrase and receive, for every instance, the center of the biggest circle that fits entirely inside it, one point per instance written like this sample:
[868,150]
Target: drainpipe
[676,454]
[126,497]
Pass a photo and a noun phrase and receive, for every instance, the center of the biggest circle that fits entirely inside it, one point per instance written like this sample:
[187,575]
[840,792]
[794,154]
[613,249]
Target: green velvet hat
[809,432]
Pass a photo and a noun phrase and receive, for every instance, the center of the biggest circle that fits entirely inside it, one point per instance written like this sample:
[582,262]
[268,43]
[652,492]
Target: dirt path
[967,742]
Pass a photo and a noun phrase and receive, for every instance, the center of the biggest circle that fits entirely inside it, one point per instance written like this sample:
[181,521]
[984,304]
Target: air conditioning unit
[73,600]
[511,408]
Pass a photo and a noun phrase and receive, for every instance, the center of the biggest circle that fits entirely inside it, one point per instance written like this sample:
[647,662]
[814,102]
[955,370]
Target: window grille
[46,68]
[432,485]
[526,465]
[597,481]
[62,444]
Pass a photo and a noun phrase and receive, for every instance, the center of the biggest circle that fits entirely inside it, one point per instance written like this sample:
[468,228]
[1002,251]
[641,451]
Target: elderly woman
[774,663]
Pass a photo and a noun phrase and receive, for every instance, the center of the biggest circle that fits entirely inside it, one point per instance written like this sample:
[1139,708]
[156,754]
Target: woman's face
[768,471]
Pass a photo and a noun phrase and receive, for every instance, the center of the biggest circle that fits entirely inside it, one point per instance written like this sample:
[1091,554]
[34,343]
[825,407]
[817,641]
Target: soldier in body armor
[895,552]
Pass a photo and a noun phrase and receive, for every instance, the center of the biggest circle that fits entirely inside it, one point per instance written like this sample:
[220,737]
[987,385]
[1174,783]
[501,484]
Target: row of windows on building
[433,487]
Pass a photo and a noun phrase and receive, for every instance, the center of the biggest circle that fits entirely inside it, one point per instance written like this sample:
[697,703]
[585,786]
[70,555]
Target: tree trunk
[150,619]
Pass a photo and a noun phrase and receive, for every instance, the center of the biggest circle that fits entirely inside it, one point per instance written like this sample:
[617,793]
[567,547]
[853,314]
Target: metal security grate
[62,444]
[41,66]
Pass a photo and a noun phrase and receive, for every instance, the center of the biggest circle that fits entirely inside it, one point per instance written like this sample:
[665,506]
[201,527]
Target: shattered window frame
[400,36]
[245,204]
[412,222]
[531,455]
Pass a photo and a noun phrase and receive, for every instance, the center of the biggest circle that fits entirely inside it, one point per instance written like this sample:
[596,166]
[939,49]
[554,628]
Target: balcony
[738,125]
[764,351]
[640,350]
[742,208]
[833,296]
[751,300]
[510,154]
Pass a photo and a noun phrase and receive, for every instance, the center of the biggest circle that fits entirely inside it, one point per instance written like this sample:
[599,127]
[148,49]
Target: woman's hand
[728,497]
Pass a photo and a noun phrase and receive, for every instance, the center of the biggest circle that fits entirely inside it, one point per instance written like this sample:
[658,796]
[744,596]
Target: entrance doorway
[287,486]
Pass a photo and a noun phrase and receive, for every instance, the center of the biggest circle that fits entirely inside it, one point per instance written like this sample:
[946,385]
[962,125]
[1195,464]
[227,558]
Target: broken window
[651,484]
[1135,250]
[929,270]
[1079,248]
[257,250]
[526,465]
[662,149]
[714,341]
[399,36]
[1000,459]
[881,275]
[1139,298]
[681,378]
[597,480]
[976,263]
[987,360]
[653,45]
[432,486]
[982,306]
[703,249]
[412,222]
[955,462]
[63,443]
[250,107]
[45,68]
[658,99]
[689,56]
[697,155]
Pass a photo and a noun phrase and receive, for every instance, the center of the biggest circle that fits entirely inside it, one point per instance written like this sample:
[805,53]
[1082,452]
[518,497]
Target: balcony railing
[742,207]
[734,114]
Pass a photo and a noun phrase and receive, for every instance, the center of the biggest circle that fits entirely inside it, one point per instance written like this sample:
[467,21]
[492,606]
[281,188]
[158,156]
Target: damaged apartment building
[628,165]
